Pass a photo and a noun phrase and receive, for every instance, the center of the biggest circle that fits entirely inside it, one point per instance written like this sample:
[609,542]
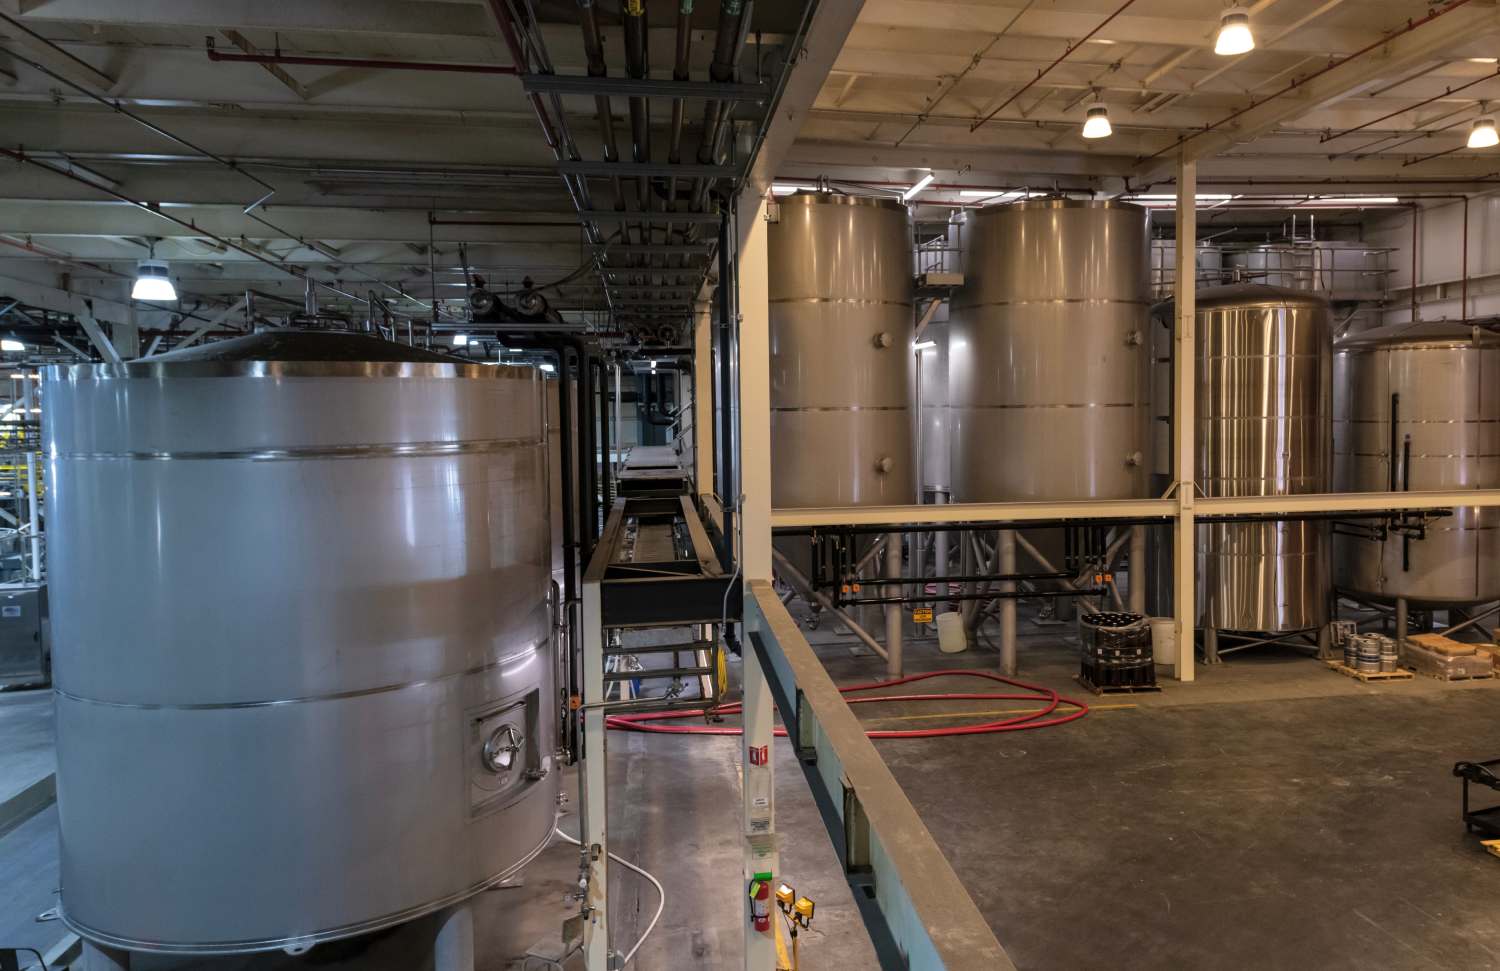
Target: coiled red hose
[1042,718]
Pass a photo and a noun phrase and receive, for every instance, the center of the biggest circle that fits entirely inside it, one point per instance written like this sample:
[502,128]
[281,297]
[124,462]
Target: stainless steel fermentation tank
[841,352]
[933,439]
[305,681]
[1264,409]
[1419,409]
[1049,383]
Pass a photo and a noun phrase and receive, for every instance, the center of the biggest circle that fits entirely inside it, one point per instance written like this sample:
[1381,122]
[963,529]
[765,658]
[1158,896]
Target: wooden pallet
[1119,689]
[1368,676]
[1492,845]
[1481,676]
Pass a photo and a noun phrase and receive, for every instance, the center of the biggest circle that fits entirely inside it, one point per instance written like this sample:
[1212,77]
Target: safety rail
[917,911]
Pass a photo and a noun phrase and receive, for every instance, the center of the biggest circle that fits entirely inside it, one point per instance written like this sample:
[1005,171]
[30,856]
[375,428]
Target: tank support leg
[453,949]
[1005,554]
[1401,623]
[97,958]
[1325,642]
[1138,570]
[893,611]
[1210,645]
[940,566]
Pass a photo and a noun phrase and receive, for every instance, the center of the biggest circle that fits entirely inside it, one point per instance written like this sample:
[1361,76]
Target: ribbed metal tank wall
[841,352]
[1438,384]
[1049,370]
[303,643]
[1264,428]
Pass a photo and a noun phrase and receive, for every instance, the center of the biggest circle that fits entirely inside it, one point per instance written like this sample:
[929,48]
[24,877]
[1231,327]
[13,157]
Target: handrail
[918,913]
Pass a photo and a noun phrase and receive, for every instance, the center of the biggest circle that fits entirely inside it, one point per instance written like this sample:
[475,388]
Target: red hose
[645,721]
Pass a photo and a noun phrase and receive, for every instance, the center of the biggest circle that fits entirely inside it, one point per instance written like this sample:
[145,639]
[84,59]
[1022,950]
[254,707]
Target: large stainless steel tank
[933,437]
[841,352]
[1049,371]
[1418,408]
[305,682]
[1264,408]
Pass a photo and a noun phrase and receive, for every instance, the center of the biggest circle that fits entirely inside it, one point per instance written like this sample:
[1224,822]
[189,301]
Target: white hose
[661,896]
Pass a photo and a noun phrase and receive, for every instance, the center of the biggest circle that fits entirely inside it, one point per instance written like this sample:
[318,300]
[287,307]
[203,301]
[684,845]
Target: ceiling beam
[24,41]
[1415,43]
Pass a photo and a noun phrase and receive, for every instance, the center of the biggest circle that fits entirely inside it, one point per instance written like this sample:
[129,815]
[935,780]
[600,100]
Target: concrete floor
[1271,814]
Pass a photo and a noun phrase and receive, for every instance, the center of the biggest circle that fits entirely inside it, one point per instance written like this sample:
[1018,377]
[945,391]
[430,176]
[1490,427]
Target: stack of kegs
[1117,650]
[1371,653]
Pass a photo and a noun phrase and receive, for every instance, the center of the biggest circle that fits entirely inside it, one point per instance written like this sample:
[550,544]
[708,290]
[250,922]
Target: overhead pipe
[593,49]
[214,54]
[681,71]
[155,210]
[1297,84]
[1048,69]
[733,18]
[1447,92]
[637,66]
[577,190]
[114,105]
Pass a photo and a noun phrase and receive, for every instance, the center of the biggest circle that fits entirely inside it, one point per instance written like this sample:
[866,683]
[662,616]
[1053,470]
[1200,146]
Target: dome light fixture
[152,282]
[1483,134]
[1234,33]
[1096,124]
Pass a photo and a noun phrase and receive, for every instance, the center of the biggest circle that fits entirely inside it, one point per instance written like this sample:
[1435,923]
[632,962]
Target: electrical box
[25,648]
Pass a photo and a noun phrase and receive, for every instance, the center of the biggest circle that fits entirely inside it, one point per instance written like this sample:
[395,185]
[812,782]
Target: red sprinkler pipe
[646,721]
[1297,83]
[1048,69]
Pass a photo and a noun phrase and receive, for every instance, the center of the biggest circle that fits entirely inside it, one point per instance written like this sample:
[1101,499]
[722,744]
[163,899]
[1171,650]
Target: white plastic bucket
[951,636]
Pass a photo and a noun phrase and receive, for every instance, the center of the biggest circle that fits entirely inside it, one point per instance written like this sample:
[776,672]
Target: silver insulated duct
[841,352]
[1264,428]
[1049,383]
[305,679]
[1417,409]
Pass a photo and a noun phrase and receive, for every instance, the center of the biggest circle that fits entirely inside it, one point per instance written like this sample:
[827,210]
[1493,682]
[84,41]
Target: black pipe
[976,578]
[604,457]
[727,487]
[590,475]
[983,595]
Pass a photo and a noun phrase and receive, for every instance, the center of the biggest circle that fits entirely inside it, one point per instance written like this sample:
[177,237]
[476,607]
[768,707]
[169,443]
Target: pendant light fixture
[1096,124]
[1234,33]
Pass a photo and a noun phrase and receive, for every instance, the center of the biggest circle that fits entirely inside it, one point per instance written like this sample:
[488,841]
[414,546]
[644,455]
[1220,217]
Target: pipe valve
[885,465]
[884,339]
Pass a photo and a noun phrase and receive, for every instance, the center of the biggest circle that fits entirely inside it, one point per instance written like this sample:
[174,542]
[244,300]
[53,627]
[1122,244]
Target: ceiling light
[1482,60]
[923,345]
[549,368]
[460,340]
[922,183]
[1352,201]
[1096,125]
[1234,33]
[10,344]
[152,282]
[787,188]
[1483,134]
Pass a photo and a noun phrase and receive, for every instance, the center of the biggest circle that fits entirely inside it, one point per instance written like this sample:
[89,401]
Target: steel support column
[1138,569]
[758,802]
[1184,420]
[703,398]
[1005,565]
[594,808]
[893,612]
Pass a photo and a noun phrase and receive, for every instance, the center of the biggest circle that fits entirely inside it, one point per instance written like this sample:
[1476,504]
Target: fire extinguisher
[760,902]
